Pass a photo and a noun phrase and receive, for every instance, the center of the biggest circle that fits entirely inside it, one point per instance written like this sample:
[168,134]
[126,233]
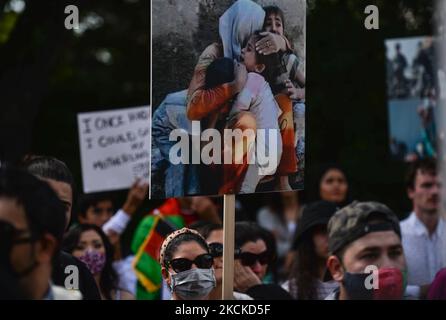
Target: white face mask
[193,284]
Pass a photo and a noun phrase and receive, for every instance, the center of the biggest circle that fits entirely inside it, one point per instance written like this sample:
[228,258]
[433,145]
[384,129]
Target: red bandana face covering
[391,285]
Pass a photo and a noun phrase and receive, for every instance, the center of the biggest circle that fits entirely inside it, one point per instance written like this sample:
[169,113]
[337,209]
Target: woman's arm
[204,102]
[293,92]
[300,78]
[201,101]
[125,295]
[295,74]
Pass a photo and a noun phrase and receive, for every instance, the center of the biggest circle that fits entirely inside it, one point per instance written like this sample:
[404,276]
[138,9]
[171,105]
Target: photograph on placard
[412,90]
[228,97]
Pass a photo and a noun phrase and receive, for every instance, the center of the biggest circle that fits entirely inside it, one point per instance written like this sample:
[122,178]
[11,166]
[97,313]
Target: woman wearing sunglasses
[213,233]
[251,248]
[187,265]
[254,254]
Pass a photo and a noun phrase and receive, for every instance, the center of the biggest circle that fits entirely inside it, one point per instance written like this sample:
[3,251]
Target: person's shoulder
[241,296]
[255,82]
[255,76]
[443,221]
[60,293]
[123,295]
[87,284]
[407,224]
[268,292]
[290,55]
[290,59]
[441,275]
[64,260]
[334,295]
[67,259]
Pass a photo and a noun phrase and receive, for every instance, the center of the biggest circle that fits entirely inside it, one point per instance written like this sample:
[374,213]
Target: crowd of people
[56,244]
[415,78]
[417,81]
[329,248]
[340,250]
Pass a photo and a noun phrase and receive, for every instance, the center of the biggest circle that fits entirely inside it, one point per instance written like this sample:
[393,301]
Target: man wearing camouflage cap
[366,254]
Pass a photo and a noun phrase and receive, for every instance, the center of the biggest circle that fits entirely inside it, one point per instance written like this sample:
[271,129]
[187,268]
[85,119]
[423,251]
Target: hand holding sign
[135,197]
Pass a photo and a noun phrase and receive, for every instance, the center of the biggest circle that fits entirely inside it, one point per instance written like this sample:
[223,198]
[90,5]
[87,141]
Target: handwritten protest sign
[114,147]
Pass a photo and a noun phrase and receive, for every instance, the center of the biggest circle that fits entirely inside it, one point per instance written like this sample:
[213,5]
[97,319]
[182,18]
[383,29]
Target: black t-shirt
[87,284]
[268,292]
[9,286]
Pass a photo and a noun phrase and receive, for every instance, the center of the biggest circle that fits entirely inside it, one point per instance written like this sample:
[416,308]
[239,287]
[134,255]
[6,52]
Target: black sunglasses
[249,259]
[216,249]
[203,261]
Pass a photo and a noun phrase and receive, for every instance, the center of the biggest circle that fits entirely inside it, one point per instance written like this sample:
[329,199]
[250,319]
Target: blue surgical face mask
[193,284]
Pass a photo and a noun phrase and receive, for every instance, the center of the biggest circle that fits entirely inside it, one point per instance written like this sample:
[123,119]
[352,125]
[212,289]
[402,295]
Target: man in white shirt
[424,231]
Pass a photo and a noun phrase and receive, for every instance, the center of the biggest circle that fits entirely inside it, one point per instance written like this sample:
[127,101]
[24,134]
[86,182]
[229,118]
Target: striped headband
[172,236]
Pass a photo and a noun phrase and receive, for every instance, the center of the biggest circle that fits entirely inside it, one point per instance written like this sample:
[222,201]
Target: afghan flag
[147,241]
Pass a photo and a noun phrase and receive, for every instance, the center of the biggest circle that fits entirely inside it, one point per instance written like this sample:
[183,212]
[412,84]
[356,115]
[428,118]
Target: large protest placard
[114,147]
[228,96]
[412,90]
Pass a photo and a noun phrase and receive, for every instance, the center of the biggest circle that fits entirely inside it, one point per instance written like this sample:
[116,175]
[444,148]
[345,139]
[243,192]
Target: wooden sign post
[228,246]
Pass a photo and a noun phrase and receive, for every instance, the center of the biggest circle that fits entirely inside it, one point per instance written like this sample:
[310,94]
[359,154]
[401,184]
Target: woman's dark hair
[248,231]
[304,272]
[205,228]
[91,200]
[315,188]
[273,10]
[179,240]
[272,62]
[220,71]
[109,278]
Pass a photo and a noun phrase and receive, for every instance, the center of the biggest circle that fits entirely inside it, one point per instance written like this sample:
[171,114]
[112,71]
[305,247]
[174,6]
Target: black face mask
[8,239]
